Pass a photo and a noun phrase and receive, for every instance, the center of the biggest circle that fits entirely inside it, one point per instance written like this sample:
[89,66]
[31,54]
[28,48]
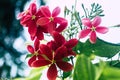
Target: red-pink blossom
[54,57]
[28,19]
[91,28]
[51,20]
[59,40]
[34,50]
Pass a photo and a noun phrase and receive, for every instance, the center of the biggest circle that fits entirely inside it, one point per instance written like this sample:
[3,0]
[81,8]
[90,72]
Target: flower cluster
[42,21]
[52,54]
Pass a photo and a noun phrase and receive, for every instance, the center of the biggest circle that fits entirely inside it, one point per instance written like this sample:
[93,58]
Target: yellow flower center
[36,53]
[33,17]
[51,18]
[93,28]
[53,61]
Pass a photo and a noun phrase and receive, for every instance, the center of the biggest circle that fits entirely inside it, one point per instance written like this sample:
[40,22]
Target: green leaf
[66,74]
[35,74]
[28,55]
[84,69]
[100,48]
[114,63]
[99,69]
[110,73]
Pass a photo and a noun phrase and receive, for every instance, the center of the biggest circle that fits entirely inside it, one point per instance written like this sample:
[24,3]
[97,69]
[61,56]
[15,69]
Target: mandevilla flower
[91,28]
[51,20]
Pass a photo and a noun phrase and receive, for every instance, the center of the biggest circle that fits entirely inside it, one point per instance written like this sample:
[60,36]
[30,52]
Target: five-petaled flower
[54,58]
[35,52]
[91,28]
[28,19]
[51,20]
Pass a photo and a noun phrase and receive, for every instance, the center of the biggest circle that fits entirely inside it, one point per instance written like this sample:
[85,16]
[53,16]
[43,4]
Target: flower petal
[36,44]
[51,27]
[59,20]
[93,37]
[62,26]
[39,13]
[102,29]
[70,53]
[40,63]
[31,60]
[84,33]
[32,37]
[25,19]
[52,45]
[96,21]
[32,29]
[59,39]
[71,43]
[43,21]
[60,53]
[65,66]
[86,22]
[20,15]
[45,11]
[46,51]
[40,35]
[30,49]
[52,72]
[56,12]
[32,8]
[40,57]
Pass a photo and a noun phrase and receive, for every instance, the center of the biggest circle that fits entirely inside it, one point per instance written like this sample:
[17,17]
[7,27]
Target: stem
[118,25]
[75,5]
[62,78]
[84,10]
[77,16]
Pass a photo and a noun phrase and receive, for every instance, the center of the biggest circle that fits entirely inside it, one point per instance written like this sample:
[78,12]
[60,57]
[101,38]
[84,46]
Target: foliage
[101,46]
[86,70]
[35,74]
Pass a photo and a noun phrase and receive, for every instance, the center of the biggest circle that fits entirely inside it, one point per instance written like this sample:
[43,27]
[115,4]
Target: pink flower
[51,20]
[35,52]
[91,28]
[54,59]
[29,17]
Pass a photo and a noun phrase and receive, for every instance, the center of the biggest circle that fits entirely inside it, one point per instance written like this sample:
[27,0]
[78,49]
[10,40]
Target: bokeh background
[12,39]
